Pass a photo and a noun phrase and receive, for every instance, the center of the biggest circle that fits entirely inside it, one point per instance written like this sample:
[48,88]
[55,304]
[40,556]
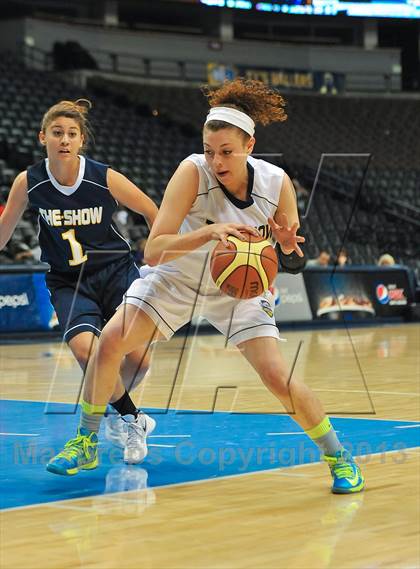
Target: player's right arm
[164,242]
[15,206]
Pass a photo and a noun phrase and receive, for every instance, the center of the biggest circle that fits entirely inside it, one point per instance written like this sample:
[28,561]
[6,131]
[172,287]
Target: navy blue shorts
[87,305]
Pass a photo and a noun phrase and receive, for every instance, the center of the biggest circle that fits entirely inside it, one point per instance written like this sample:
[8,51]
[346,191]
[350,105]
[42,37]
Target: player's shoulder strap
[95,172]
[36,175]
[208,180]
[268,180]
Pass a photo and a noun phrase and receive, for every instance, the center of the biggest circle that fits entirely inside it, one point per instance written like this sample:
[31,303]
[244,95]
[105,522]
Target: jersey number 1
[76,248]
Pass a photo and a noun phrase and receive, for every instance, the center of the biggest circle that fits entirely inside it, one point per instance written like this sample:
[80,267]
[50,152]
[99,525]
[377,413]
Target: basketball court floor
[230,479]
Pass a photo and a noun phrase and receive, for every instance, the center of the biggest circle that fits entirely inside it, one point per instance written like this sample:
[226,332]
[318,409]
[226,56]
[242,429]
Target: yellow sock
[91,416]
[320,430]
[91,409]
[325,437]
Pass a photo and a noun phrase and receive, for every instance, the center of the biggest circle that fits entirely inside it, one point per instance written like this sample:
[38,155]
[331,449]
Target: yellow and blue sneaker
[80,453]
[347,476]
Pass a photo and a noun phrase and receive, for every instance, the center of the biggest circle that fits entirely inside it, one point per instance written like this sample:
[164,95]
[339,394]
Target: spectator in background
[328,86]
[121,220]
[302,194]
[386,260]
[342,258]
[23,246]
[131,229]
[323,260]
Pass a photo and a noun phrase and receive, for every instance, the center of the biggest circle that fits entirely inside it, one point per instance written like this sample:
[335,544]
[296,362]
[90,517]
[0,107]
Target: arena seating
[144,131]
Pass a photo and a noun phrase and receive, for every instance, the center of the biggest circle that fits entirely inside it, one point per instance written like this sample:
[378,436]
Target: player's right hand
[221,231]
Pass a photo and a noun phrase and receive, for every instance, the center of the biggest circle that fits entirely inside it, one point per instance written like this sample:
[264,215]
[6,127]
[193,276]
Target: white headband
[232,116]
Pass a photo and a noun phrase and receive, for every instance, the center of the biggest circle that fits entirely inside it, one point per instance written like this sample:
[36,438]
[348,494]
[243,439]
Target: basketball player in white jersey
[212,195]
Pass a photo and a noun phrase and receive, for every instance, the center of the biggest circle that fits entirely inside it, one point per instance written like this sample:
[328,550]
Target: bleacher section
[144,131]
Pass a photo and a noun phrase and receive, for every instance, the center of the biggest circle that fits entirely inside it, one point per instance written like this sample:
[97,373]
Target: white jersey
[214,204]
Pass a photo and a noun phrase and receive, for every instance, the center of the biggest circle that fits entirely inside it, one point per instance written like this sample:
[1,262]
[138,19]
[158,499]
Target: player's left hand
[286,236]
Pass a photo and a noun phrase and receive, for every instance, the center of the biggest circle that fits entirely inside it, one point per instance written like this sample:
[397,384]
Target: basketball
[245,269]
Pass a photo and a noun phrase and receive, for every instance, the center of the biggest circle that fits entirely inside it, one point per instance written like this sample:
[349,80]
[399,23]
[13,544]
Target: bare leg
[134,367]
[128,329]
[298,399]
[264,356]
[84,346]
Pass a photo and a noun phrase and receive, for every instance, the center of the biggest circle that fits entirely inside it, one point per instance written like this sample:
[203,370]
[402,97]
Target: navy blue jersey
[76,227]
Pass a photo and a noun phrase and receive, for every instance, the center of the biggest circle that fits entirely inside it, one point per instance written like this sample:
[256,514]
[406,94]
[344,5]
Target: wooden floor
[284,518]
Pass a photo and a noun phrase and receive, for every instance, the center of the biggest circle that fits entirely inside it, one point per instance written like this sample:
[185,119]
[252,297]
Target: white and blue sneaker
[79,453]
[137,431]
[346,474]
[116,430]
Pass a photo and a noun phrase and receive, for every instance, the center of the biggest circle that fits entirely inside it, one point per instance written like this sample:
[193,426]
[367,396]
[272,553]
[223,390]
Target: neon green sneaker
[80,453]
[347,476]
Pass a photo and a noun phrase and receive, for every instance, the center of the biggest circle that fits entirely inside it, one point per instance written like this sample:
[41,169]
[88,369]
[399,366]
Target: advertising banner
[323,82]
[291,300]
[218,73]
[357,293]
[24,302]
[391,292]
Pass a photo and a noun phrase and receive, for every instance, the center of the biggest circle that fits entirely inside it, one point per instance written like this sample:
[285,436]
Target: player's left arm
[284,226]
[129,195]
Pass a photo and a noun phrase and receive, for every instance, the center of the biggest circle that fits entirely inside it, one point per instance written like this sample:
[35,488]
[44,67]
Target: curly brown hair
[76,110]
[262,104]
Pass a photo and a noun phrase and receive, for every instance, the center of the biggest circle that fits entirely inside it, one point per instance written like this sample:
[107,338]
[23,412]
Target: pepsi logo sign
[390,294]
[382,294]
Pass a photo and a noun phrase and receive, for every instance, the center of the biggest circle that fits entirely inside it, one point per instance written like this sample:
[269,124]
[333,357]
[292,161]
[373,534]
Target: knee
[83,352]
[111,343]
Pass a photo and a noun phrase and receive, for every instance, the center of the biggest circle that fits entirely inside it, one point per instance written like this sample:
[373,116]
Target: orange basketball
[246,268]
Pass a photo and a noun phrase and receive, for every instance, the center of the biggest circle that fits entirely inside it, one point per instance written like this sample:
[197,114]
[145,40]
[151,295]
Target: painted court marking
[208,447]
[168,436]
[370,391]
[19,434]
[291,433]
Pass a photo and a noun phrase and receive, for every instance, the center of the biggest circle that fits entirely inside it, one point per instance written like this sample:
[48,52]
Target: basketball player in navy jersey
[212,195]
[91,263]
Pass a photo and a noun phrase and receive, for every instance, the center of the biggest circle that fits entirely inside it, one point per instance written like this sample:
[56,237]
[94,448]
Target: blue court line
[221,444]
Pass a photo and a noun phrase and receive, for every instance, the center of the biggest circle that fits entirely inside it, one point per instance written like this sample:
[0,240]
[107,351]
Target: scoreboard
[373,9]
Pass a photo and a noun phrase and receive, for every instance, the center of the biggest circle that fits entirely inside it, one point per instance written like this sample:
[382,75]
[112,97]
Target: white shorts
[171,303]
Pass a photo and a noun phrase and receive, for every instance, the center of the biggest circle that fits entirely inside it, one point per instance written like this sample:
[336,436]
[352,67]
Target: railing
[36,58]
[124,64]
[137,66]
[402,211]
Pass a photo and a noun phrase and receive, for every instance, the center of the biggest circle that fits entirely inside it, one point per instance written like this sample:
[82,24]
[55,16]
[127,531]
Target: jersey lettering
[76,249]
[73,217]
[264,230]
